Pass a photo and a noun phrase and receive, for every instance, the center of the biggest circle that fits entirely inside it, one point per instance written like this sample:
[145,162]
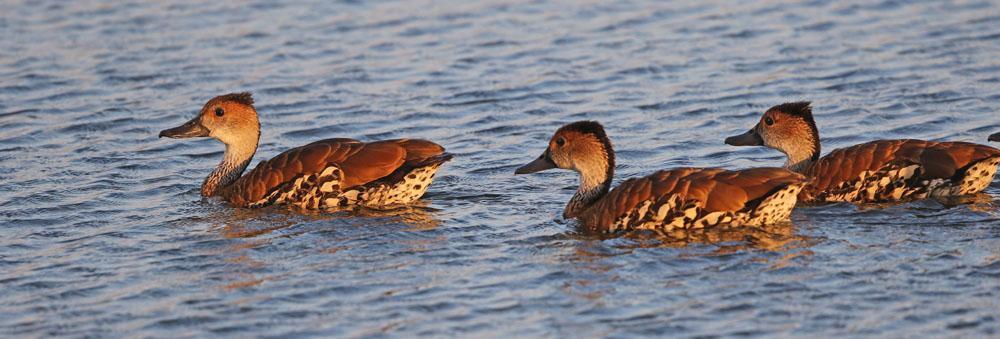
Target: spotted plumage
[677,199]
[324,190]
[873,172]
[325,174]
[673,211]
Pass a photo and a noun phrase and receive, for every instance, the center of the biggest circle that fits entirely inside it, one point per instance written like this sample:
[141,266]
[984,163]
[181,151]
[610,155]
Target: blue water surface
[104,232]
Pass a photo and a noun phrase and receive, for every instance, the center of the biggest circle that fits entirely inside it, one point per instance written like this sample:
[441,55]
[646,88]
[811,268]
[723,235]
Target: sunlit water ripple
[105,233]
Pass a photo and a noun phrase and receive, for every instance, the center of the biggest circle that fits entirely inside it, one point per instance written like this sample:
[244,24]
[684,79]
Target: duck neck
[595,181]
[234,162]
[801,153]
[799,160]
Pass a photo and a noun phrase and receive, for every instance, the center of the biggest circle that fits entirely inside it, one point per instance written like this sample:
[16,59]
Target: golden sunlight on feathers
[876,171]
[324,174]
[682,198]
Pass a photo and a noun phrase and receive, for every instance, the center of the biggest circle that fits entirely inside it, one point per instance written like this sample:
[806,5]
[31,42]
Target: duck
[880,171]
[677,199]
[325,174]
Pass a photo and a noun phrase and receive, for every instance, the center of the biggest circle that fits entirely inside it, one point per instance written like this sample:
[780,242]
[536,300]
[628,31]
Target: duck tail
[433,160]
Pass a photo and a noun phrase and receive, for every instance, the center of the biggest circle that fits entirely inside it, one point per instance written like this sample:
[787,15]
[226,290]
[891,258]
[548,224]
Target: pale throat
[594,184]
[234,162]
[593,175]
[800,153]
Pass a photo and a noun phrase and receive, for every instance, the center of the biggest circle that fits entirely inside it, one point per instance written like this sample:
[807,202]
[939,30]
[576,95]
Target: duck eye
[560,142]
[768,121]
[219,112]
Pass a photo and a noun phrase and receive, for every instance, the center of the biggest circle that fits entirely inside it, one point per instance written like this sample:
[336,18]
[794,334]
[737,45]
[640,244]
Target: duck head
[231,119]
[995,137]
[789,128]
[583,147]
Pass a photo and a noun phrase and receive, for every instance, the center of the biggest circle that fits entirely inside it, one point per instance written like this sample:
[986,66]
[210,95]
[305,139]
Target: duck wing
[357,163]
[898,160]
[708,189]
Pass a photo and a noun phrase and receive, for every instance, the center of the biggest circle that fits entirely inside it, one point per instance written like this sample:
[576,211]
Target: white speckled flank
[899,183]
[776,207]
[977,177]
[671,213]
[324,191]
[412,187]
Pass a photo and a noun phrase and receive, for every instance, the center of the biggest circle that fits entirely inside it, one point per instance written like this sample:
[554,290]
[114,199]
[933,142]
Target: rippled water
[105,233]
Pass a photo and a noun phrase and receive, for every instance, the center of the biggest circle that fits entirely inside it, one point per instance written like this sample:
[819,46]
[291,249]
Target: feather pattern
[338,172]
[892,170]
[682,198]
[685,198]
[324,174]
[877,171]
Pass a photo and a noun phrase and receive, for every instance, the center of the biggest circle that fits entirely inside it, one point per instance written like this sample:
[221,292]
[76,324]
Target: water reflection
[251,232]
[250,223]
[418,215]
[980,202]
[776,237]
[600,260]
[100,236]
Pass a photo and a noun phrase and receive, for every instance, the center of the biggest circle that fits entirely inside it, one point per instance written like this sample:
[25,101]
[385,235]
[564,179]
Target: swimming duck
[877,171]
[681,198]
[324,174]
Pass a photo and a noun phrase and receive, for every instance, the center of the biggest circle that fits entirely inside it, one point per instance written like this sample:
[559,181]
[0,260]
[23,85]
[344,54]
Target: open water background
[104,233]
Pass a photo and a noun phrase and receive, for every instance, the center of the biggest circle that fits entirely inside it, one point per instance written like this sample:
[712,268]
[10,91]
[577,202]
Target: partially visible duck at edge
[872,172]
[669,200]
[324,174]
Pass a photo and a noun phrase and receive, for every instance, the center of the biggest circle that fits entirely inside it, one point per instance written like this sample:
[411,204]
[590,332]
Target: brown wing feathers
[938,160]
[716,189]
[417,149]
[375,160]
[361,163]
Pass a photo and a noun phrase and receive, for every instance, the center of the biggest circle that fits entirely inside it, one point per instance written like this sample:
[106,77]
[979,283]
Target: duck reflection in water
[773,237]
[249,232]
[249,223]
[597,260]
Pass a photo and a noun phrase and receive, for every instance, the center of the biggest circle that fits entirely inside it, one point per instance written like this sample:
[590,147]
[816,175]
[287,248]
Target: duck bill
[542,163]
[995,137]
[190,129]
[750,138]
